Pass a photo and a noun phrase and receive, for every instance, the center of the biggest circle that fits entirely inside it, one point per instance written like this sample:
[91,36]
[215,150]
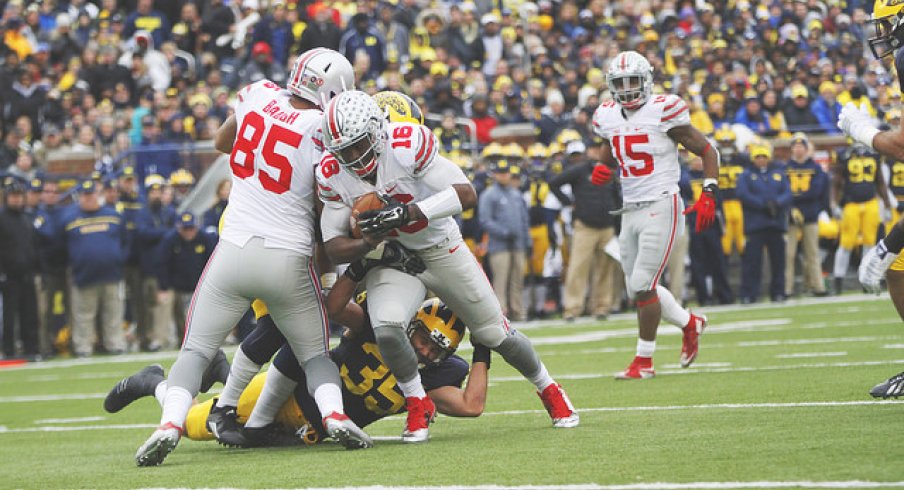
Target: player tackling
[364,155]
[266,246]
[641,134]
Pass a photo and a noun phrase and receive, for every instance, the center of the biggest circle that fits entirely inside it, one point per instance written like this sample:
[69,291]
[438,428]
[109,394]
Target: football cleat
[640,368]
[892,387]
[345,432]
[559,407]
[162,442]
[421,413]
[273,434]
[691,343]
[141,384]
[223,424]
[217,370]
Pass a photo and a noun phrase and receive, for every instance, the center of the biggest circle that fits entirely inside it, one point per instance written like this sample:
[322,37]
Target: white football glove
[873,266]
[858,124]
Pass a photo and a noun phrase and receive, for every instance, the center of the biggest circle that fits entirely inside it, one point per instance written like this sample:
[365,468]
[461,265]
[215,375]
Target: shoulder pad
[325,171]
[673,107]
[413,146]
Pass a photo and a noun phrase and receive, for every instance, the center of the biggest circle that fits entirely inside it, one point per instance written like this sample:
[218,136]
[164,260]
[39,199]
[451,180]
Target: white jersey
[276,150]
[408,171]
[640,143]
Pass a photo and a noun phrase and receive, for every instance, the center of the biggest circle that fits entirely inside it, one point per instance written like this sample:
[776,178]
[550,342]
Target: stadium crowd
[129,81]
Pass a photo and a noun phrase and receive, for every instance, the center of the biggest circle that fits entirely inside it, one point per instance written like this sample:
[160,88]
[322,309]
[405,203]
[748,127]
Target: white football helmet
[354,131]
[630,79]
[320,74]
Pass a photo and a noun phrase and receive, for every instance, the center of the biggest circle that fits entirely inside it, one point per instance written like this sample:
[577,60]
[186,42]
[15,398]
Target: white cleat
[162,442]
[345,432]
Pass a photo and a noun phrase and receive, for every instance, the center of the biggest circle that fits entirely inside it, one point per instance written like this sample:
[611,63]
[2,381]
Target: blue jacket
[151,226]
[129,207]
[371,42]
[766,198]
[183,262]
[758,123]
[826,114]
[809,186]
[95,244]
[503,215]
[51,247]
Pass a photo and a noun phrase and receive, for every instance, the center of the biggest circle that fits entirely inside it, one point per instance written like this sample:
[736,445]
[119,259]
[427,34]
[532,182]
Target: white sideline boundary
[710,485]
[648,408]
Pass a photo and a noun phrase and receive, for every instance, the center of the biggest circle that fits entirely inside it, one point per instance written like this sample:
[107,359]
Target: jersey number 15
[244,167]
[637,163]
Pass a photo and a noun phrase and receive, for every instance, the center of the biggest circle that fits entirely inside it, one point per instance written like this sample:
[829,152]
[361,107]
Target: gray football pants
[453,273]
[233,277]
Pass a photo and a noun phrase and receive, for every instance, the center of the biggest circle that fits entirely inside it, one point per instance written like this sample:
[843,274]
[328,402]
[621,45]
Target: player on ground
[274,146]
[369,390]
[888,17]
[641,134]
[424,191]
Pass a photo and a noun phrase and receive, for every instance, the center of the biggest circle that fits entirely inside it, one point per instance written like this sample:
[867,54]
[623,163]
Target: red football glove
[600,175]
[705,207]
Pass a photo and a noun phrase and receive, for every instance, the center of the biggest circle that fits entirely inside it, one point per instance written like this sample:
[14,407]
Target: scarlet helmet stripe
[624,61]
[301,64]
[331,118]
[675,114]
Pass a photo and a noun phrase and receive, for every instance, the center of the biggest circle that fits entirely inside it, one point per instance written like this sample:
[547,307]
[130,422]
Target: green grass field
[778,397]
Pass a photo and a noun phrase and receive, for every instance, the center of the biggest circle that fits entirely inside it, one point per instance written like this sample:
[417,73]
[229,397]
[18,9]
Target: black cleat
[273,434]
[893,387]
[218,370]
[141,384]
[222,423]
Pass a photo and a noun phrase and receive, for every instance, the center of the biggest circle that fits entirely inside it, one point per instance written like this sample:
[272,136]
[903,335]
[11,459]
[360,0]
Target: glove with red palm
[705,207]
[601,174]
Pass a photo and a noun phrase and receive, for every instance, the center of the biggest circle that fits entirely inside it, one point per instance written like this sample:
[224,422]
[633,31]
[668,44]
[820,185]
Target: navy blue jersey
[896,179]
[858,167]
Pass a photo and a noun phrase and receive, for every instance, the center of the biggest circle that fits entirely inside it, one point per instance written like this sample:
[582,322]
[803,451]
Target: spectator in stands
[766,196]
[797,111]
[152,223]
[593,228]
[276,32]
[26,98]
[503,215]
[214,213]
[321,31]
[492,43]
[146,18]
[147,62]
[826,108]
[262,66]
[483,119]
[24,169]
[95,243]
[106,74]
[553,118]
[149,158]
[362,37]
[184,252]
[9,150]
[752,114]
[18,269]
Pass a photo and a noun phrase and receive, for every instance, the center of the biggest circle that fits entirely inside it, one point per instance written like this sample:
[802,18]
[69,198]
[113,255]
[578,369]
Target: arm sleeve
[785,198]
[566,177]
[745,195]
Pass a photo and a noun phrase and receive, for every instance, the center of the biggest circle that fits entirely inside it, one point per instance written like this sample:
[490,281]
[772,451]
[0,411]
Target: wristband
[481,353]
[710,182]
[440,205]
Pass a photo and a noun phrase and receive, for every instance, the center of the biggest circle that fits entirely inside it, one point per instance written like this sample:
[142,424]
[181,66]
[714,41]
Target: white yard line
[649,408]
[73,420]
[803,355]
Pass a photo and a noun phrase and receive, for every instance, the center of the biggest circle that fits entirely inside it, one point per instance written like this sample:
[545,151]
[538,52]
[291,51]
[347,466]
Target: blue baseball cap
[187,220]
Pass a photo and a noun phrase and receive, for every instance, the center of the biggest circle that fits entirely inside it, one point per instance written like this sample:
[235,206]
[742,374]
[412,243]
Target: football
[366,202]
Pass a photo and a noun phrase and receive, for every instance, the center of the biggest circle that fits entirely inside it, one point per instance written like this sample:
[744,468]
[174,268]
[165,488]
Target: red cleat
[421,413]
[559,407]
[640,368]
[691,343]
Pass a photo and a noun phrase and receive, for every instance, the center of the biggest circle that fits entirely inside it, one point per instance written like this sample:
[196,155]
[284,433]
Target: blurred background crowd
[108,108]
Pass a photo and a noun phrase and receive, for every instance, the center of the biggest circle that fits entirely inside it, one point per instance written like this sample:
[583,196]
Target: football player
[641,135]
[274,144]
[425,190]
[280,404]
[731,166]
[858,185]
[888,17]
